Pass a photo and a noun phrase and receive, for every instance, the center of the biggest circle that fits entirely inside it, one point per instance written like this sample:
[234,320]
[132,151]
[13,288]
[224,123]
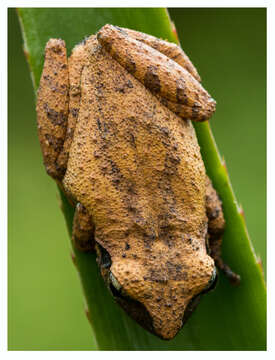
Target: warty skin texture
[135,170]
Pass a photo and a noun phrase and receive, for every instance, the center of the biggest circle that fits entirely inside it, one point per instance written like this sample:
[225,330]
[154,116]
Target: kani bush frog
[115,132]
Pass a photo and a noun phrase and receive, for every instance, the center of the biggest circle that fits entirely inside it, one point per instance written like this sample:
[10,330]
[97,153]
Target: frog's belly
[134,164]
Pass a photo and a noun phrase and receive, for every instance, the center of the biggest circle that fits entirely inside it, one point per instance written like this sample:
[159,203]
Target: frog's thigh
[169,49]
[166,79]
[53,105]
[76,63]
[216,225]
[83,229]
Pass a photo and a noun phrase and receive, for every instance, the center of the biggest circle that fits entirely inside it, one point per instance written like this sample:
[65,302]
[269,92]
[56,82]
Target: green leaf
[228,318]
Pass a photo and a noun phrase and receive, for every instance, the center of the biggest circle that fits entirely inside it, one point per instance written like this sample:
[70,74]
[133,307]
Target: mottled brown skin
[172,83]
[134,169]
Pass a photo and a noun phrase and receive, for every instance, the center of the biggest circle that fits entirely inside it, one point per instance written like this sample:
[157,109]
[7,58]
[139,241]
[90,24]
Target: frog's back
[137,168]
[133,164]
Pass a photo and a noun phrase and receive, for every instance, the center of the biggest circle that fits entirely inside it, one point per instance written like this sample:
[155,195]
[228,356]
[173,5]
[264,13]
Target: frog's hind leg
[83,229]
[171,83]
[171,50]
[53,105]
[216,225]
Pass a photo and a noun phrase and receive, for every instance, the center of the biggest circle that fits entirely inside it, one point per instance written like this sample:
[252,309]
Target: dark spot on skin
[157,276]
[130,65]
[97,154]
[174,159]
[124,255]
[181,96]
[114,173]
[175,271]
[56,118]
[121,90]
[127,246]
[98,124]
[58,49]
[214,214]
[132,140]
[99,86]
[116,182]
[130,119]
[130,84]
[164,101]
[132,209]
[165,131]
[151,79]
[74,112]
[107,43]
[56,143]
[130,188]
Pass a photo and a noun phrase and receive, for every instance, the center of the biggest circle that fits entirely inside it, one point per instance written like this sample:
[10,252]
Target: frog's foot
[53,106]
[215,253]
[174,86]
[216,225]
[83,229]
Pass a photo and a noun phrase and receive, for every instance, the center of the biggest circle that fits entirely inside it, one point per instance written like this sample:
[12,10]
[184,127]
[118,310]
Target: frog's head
[159,296]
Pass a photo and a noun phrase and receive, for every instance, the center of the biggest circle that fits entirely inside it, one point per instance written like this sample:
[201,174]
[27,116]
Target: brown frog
[115,133]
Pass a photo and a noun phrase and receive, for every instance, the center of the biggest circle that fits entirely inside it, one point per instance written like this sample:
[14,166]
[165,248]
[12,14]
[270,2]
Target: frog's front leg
[53,106]
[171,83]
[76,63]
[216,225]
[83,229]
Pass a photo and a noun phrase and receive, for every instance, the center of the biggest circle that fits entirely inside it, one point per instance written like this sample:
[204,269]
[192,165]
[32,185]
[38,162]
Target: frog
[115,129]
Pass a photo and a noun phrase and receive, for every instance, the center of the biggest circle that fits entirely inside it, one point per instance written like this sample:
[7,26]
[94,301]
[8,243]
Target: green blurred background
[45,302]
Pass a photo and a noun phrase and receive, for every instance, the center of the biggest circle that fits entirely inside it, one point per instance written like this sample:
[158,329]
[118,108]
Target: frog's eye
[212,282]
[115,286]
